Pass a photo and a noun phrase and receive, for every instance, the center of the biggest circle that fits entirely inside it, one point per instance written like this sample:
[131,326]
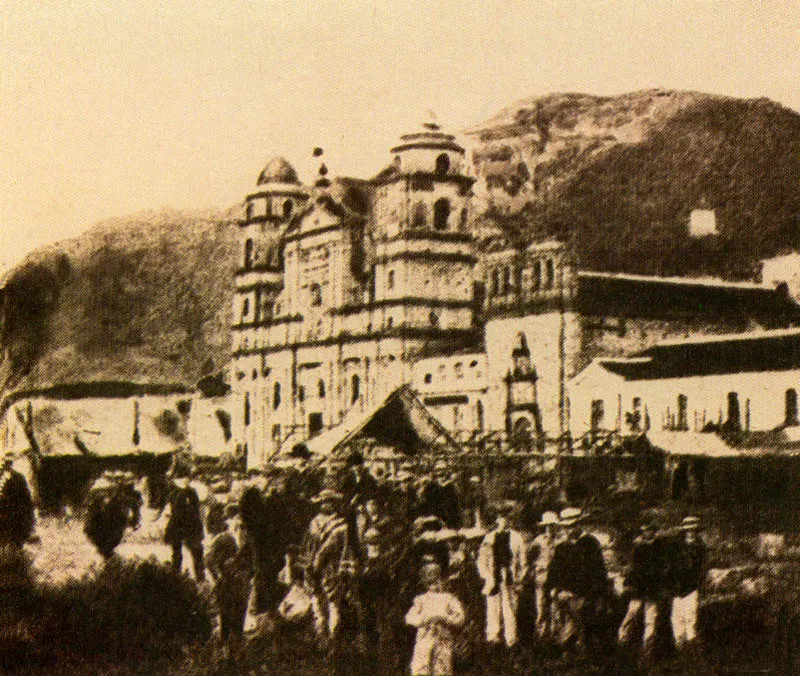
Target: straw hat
[327,495]
[690,523]
[549,519]
[569,516]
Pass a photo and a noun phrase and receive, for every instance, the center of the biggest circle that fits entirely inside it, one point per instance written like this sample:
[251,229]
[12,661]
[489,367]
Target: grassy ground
[75,582]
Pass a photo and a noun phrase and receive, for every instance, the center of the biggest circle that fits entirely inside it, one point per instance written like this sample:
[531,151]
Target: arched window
[549,274]
[248,254]
[355,388]
[522,434]
[462,225]
[246,409]
[315,291]
[248,213]
[389,323]
[420,217]
[276,396]
[506,280]
[287,208]
[442,164]
[441,212]
[791,407]
[245,308]
[390,279]
[683,412]
[537,275]
[479,415]
[321,388]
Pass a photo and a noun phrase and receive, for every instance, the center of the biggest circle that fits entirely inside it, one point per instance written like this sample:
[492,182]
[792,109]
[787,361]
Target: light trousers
[684,618]
[501,613]
[639,608]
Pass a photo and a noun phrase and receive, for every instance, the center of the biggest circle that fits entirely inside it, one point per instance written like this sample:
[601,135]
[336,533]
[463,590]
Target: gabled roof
[400,420]
[712,355]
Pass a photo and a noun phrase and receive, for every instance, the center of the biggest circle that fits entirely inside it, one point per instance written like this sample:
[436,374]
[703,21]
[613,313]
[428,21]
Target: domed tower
[259,279]
[423,240]
[277,197]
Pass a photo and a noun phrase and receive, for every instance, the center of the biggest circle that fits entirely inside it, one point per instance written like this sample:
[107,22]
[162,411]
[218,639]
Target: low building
[737,382]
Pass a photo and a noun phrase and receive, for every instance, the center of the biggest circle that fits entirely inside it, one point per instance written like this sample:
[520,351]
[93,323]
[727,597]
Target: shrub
[130,612]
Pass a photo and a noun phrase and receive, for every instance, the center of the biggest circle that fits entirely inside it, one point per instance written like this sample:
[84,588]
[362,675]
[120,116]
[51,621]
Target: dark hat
[355,459]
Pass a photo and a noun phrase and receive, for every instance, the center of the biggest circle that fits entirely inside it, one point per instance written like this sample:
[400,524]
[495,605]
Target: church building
[348,289]
[345,284]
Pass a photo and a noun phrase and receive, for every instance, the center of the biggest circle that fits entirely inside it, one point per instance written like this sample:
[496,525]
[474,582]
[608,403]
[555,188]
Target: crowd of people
[411,574]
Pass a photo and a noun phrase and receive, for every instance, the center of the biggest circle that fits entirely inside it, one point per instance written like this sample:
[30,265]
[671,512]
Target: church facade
[345,285]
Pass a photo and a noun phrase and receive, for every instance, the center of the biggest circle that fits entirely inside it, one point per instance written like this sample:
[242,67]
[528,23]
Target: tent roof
[400,420]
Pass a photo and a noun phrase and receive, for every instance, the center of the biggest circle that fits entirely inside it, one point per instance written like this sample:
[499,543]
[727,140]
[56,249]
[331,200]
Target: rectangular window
[314,424]
[597,415]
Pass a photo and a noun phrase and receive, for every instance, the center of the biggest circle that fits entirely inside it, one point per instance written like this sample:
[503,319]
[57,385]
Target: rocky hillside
[618,177]
[143,299]
[147,298]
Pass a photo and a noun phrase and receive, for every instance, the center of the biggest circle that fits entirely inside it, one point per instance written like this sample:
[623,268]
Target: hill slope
[147,298]
[618,177]
[144,298]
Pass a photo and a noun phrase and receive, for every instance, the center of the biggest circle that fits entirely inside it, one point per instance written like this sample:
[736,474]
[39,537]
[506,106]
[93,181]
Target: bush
[129,613]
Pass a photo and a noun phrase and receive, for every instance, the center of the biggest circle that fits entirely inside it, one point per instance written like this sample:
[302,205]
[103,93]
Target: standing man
[502,563]
[17,517]
[644,584]
[689,573]
[544,547]
[576,580]
[327,559]
[185,525]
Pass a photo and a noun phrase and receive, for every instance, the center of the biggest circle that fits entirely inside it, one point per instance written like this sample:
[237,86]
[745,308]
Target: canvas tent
[400,421]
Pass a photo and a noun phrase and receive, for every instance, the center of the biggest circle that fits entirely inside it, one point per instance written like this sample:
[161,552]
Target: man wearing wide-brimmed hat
[502,563]
[327,559]
[689,572]
[576,579]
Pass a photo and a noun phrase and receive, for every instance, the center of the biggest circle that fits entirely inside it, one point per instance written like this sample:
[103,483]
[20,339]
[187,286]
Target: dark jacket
[441,501]
[17,517]
[690,567]
[358,487]
[107,516]
[185,523]
[646,576]
[578,567]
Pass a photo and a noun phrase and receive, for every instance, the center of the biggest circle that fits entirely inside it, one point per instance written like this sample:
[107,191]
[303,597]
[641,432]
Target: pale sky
[107,108]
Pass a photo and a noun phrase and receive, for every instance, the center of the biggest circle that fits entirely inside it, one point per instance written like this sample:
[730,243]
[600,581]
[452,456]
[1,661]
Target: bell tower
[424,244]
[523,419]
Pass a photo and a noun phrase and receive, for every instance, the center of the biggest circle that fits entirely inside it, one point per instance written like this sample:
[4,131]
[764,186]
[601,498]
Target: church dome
[278,170]
[429,137]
